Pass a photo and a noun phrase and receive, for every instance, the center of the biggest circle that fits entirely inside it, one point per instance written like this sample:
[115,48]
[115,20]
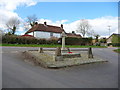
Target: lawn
[51,46]
[117,50]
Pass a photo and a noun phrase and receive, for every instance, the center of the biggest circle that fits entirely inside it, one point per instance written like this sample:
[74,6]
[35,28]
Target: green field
[50,46]
[117,50]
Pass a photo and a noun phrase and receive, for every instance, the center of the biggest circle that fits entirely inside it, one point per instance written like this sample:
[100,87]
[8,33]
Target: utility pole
[109,28]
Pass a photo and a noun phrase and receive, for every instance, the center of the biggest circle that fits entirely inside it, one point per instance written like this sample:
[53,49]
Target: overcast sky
[99,14]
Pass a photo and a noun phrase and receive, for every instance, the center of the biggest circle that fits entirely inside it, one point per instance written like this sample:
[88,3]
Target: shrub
[103,40]
[77,41]
[42,41]
[114,44]
[12,39]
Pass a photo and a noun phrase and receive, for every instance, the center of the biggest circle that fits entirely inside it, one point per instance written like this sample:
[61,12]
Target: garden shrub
[103,40]
[114,44]
[77,41]
[13,39]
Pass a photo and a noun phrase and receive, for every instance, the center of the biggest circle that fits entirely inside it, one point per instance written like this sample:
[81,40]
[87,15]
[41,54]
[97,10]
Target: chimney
[62,26]
[45,23]
[73,32]
[36,23]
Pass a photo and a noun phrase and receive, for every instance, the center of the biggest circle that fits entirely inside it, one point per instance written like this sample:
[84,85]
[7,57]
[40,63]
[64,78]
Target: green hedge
[12,39]
[114,44]
[77,41]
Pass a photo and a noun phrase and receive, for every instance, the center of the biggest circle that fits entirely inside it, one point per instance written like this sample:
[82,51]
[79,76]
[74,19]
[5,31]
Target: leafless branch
[31,20]
[13,24]
[83,27]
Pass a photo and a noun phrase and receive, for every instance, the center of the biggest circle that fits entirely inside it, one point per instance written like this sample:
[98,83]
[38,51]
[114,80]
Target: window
[51,34]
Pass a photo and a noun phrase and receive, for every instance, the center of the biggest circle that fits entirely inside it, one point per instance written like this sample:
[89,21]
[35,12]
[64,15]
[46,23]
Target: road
[19,74]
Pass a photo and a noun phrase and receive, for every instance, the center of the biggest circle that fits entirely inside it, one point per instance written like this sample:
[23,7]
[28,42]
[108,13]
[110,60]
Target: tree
[32,20]
[13,24]
[103,40]
[96,37]
[91,33]
[83,27]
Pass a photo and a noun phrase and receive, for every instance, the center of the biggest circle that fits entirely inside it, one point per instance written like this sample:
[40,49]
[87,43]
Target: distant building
[109,39]
[74,35]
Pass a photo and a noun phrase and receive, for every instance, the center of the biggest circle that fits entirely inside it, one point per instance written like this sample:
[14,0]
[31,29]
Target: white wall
[30,33]
[58,35]
[39,34]
[109,40]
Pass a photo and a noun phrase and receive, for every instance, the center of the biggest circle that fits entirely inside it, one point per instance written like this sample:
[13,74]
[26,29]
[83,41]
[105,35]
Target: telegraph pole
[109,28]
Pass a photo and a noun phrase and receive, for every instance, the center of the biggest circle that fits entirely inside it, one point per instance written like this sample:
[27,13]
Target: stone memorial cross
[63,40]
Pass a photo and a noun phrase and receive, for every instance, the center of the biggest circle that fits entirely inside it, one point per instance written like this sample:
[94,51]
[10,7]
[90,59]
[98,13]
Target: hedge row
[114,44]
[77,41]
[11,39]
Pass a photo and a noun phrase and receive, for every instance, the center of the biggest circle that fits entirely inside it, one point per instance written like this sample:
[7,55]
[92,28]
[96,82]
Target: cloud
[7,8]
[11,5]
[99,25]
[50,22]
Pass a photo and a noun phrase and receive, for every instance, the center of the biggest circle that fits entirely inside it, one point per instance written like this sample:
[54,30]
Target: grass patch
[117,50]
[50,46]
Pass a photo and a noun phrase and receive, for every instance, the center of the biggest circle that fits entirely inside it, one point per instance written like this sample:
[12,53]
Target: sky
[98,14]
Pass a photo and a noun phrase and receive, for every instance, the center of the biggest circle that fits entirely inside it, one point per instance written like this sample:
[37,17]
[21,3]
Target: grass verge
[50,46]
[117,50]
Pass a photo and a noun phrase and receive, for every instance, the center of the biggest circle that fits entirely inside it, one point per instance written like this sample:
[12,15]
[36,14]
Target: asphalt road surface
[19,74]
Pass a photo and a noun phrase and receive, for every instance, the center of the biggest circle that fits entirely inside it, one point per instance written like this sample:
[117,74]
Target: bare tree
[32,20]
[91,33]
[13,24]
[26,26]
[83,27]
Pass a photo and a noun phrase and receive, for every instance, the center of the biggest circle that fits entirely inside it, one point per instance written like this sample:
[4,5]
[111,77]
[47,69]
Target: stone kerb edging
[48,59]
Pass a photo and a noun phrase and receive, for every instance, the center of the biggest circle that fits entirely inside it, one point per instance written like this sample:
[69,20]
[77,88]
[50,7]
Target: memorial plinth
[48,59]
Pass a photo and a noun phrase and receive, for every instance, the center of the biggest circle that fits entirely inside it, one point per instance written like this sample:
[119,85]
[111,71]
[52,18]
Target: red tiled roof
[73,35]
[27,35]
[45,28]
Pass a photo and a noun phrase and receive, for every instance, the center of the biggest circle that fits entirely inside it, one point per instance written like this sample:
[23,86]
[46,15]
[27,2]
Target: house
[45,31]
[73,34]
[48,31]
[109,39]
